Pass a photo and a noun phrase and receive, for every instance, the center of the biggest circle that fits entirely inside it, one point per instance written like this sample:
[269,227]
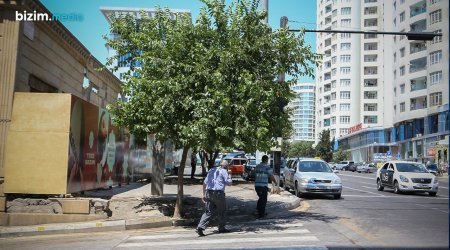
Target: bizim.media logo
[36,16]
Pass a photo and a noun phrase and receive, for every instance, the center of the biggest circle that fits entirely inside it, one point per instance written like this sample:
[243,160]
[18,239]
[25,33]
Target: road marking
[446,212]
[210,240]
[367,187]
[363,191]
[362,177]
[443,187]
[440,197]
[348,223]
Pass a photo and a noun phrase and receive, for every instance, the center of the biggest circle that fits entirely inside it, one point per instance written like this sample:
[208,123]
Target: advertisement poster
[98,150]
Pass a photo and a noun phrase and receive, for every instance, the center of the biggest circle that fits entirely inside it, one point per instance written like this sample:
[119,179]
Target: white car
[312,176]
[366,168]
[405,176]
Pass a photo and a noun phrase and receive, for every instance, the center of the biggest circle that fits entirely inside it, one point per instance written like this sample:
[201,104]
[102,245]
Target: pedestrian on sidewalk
[193,164]
[214,197]
[262,175]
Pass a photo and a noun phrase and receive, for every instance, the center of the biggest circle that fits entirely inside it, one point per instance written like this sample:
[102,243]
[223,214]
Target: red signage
[355,128]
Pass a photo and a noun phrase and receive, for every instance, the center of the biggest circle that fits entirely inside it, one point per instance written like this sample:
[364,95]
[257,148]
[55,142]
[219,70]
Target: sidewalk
[132,207]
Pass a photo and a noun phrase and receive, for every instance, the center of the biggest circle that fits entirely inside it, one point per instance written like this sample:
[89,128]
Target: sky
[92,25]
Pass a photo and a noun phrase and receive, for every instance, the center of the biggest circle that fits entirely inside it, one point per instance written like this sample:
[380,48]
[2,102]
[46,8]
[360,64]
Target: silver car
[311,176]
[366,168]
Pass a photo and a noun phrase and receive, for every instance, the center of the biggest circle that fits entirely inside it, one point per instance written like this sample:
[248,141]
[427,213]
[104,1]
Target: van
[236,165]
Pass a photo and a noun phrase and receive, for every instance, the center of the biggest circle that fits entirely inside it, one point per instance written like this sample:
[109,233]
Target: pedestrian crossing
[263,234]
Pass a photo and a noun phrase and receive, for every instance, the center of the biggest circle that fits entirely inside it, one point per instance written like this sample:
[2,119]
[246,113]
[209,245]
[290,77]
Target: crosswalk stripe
[208,240]
[174,236]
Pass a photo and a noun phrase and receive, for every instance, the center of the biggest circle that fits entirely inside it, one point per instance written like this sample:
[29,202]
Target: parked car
[305,175]
[366,168]
[433,168]
[343,165]
[404,176]
[353,167]
[236,165]
[249,170]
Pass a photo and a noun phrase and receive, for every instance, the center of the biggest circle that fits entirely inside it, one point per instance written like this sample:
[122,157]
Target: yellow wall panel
[36,168]
[41,112]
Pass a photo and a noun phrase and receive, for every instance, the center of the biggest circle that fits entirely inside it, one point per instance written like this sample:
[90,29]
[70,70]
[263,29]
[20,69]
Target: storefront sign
[431,151]
[355,128]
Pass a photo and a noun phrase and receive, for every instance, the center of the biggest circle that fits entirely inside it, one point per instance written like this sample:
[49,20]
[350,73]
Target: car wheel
[337,196]
[359,171]
[297,192]
[396,188]
[432,193]
[285,187]
[379,186]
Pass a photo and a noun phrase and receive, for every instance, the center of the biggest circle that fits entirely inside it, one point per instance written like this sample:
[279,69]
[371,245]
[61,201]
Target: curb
[130,224]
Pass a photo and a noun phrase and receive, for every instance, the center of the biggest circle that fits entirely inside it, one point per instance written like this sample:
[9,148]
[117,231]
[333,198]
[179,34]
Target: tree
[324,148]
[339,155]
[301,149]
[208,85]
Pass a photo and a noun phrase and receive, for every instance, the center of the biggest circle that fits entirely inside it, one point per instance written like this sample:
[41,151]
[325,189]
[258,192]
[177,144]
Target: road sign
[389,153]
[399,156]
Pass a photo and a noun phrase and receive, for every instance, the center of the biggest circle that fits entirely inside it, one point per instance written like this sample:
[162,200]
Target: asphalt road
[366,218]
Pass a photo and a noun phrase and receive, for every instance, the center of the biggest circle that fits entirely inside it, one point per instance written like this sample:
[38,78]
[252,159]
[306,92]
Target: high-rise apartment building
[303,112]
[384,94]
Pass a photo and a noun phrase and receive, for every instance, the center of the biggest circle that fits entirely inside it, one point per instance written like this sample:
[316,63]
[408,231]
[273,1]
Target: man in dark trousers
[262,175]
[193,164]
[214,197]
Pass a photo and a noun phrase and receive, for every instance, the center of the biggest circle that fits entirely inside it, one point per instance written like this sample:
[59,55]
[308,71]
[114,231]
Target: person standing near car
[214,196]
[193,164]
[262,175]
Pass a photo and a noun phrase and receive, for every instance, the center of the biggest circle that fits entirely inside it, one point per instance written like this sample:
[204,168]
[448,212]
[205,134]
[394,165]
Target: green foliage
[301,149]
[324,148]
[209,84]
[339,155]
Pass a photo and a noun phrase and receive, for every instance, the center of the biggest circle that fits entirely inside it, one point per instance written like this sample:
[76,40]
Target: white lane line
[353,176]
[363,191]
[437,209]
[179,236]
[440,197]
[209,240]
[443,187]
[367,187]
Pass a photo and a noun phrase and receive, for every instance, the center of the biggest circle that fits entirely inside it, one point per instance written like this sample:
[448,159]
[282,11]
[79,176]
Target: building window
[344,119]
[436,99]
[346,35]
[345,94]
[434,1]
[435,57]
[402,16]
[437,39]
[345,82]
[370,107]
[345,70]
[346,11]
[402,70]
[344,107]
[345,46]
[436,77]
[435,16]
[343,131]
[345,58]
[402,107]
[346,23]
[333,120]
[402,52]
[370,119]
[402,88]
[370,94]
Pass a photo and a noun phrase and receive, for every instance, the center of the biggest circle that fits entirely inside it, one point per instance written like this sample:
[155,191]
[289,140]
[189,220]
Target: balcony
[418,103]
[370,10]
[417,47]
[419,26]
[370,22]
[370,82]
[370,46]
[418,65]
[370,70]
[418,83]
[370,58]
[418,8]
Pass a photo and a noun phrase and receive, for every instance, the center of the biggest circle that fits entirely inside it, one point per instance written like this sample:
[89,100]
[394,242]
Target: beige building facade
[43,56]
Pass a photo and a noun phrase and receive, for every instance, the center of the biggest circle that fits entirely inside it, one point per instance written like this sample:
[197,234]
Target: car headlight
[305,180]
[436,180]
[403,178]
[337,181]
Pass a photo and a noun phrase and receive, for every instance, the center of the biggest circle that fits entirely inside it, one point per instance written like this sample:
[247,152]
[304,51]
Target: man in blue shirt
[262,175]
[214,197]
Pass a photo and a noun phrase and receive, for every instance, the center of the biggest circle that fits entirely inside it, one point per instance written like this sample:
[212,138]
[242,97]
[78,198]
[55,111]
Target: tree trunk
[211,157]
[179,202]
[203,160]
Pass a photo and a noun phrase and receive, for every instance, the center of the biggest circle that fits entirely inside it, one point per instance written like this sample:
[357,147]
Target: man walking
[214,197]
[262,174]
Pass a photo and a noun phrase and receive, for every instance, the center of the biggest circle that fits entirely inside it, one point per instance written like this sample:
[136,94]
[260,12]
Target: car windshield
[252,162]
[314,166]
[411,167]
[432,167]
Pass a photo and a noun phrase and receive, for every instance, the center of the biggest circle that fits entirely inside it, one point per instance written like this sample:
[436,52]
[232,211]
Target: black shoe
[224,230]
[200,232]
[261,216]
